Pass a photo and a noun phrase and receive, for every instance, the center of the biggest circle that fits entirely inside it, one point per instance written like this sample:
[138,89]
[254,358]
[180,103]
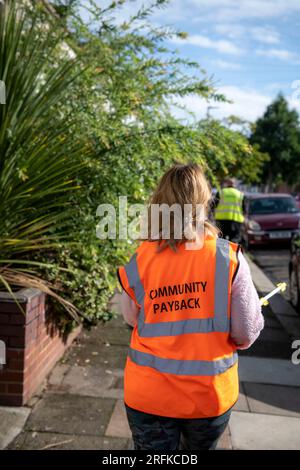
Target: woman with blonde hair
[189,296]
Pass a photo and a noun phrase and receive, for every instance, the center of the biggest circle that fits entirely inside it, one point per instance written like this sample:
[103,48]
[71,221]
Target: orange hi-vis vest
[182,362]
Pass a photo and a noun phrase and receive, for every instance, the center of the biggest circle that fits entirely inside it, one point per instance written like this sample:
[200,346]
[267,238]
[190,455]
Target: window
[273,205]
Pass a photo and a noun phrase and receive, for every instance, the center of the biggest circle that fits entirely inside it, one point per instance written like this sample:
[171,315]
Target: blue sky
[251,47]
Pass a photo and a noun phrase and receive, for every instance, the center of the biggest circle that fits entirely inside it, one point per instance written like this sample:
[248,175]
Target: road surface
[274,262]
[274,342]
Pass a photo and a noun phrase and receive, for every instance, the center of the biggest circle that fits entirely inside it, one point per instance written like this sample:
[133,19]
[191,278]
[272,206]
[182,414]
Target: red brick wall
[33,345]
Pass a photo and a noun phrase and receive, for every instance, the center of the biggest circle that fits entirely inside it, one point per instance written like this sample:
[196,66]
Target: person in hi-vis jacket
[229,211]
[191,310]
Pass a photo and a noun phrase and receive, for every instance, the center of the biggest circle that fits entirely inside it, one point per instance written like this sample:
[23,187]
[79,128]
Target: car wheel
[294,290]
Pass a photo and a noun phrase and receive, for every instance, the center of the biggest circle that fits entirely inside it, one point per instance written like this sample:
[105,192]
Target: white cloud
[281,54]
[233,10]
[224,11]
[264,34]
[248,104]
[217,11]
[233,31]
[219,45]
[223,64]
[278,86]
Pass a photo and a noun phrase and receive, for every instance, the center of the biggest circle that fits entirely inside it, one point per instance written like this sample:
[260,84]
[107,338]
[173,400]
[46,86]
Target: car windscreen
[273,205]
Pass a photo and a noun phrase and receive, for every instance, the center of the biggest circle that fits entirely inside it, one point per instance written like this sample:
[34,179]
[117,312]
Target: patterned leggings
[160,433]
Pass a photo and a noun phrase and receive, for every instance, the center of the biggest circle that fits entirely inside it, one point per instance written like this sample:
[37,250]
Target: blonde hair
[181,184]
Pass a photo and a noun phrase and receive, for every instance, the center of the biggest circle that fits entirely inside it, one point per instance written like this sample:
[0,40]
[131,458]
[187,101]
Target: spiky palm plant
[39,157]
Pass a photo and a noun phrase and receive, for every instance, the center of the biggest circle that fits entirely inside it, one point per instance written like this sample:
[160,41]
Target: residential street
[140,140]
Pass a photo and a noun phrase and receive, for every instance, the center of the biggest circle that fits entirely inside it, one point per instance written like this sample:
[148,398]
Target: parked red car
[270,218]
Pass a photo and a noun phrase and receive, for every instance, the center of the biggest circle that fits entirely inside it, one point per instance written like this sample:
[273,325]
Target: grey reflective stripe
[219,323]
[181,327]
[222,285]
[135,283]
[229,211]
[230,204]
[182,367]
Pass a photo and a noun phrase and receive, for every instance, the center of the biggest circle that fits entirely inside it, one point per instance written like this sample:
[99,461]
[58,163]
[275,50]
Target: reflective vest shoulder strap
[221,284]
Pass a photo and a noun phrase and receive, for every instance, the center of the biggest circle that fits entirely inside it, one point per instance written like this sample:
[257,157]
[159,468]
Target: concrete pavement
[12,421]
[81,404]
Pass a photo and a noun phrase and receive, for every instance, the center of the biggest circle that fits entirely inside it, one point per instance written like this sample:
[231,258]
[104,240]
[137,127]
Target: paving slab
[88,380]
[92,381]
[225,440]
[118,424]
[71,414]
[115,393]
[56,441]
[253,431]
[12,420]
[130,445]
[96,354]
[241,404]
[268,371]
[119,322]
[273,399]
[57,375]
[116,331]
[115,336]
[114,356]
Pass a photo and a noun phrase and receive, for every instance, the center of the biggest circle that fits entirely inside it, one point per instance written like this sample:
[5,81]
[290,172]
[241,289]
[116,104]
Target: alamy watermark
[157,221]
[296,354]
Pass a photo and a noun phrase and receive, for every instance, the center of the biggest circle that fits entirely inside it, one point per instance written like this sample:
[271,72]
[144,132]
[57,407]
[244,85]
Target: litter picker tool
[281,287]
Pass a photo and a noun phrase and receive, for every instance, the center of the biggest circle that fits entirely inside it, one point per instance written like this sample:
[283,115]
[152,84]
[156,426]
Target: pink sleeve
[247,320]
[129,309]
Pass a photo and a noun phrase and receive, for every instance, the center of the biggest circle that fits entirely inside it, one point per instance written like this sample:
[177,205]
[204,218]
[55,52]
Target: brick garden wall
[33,345]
